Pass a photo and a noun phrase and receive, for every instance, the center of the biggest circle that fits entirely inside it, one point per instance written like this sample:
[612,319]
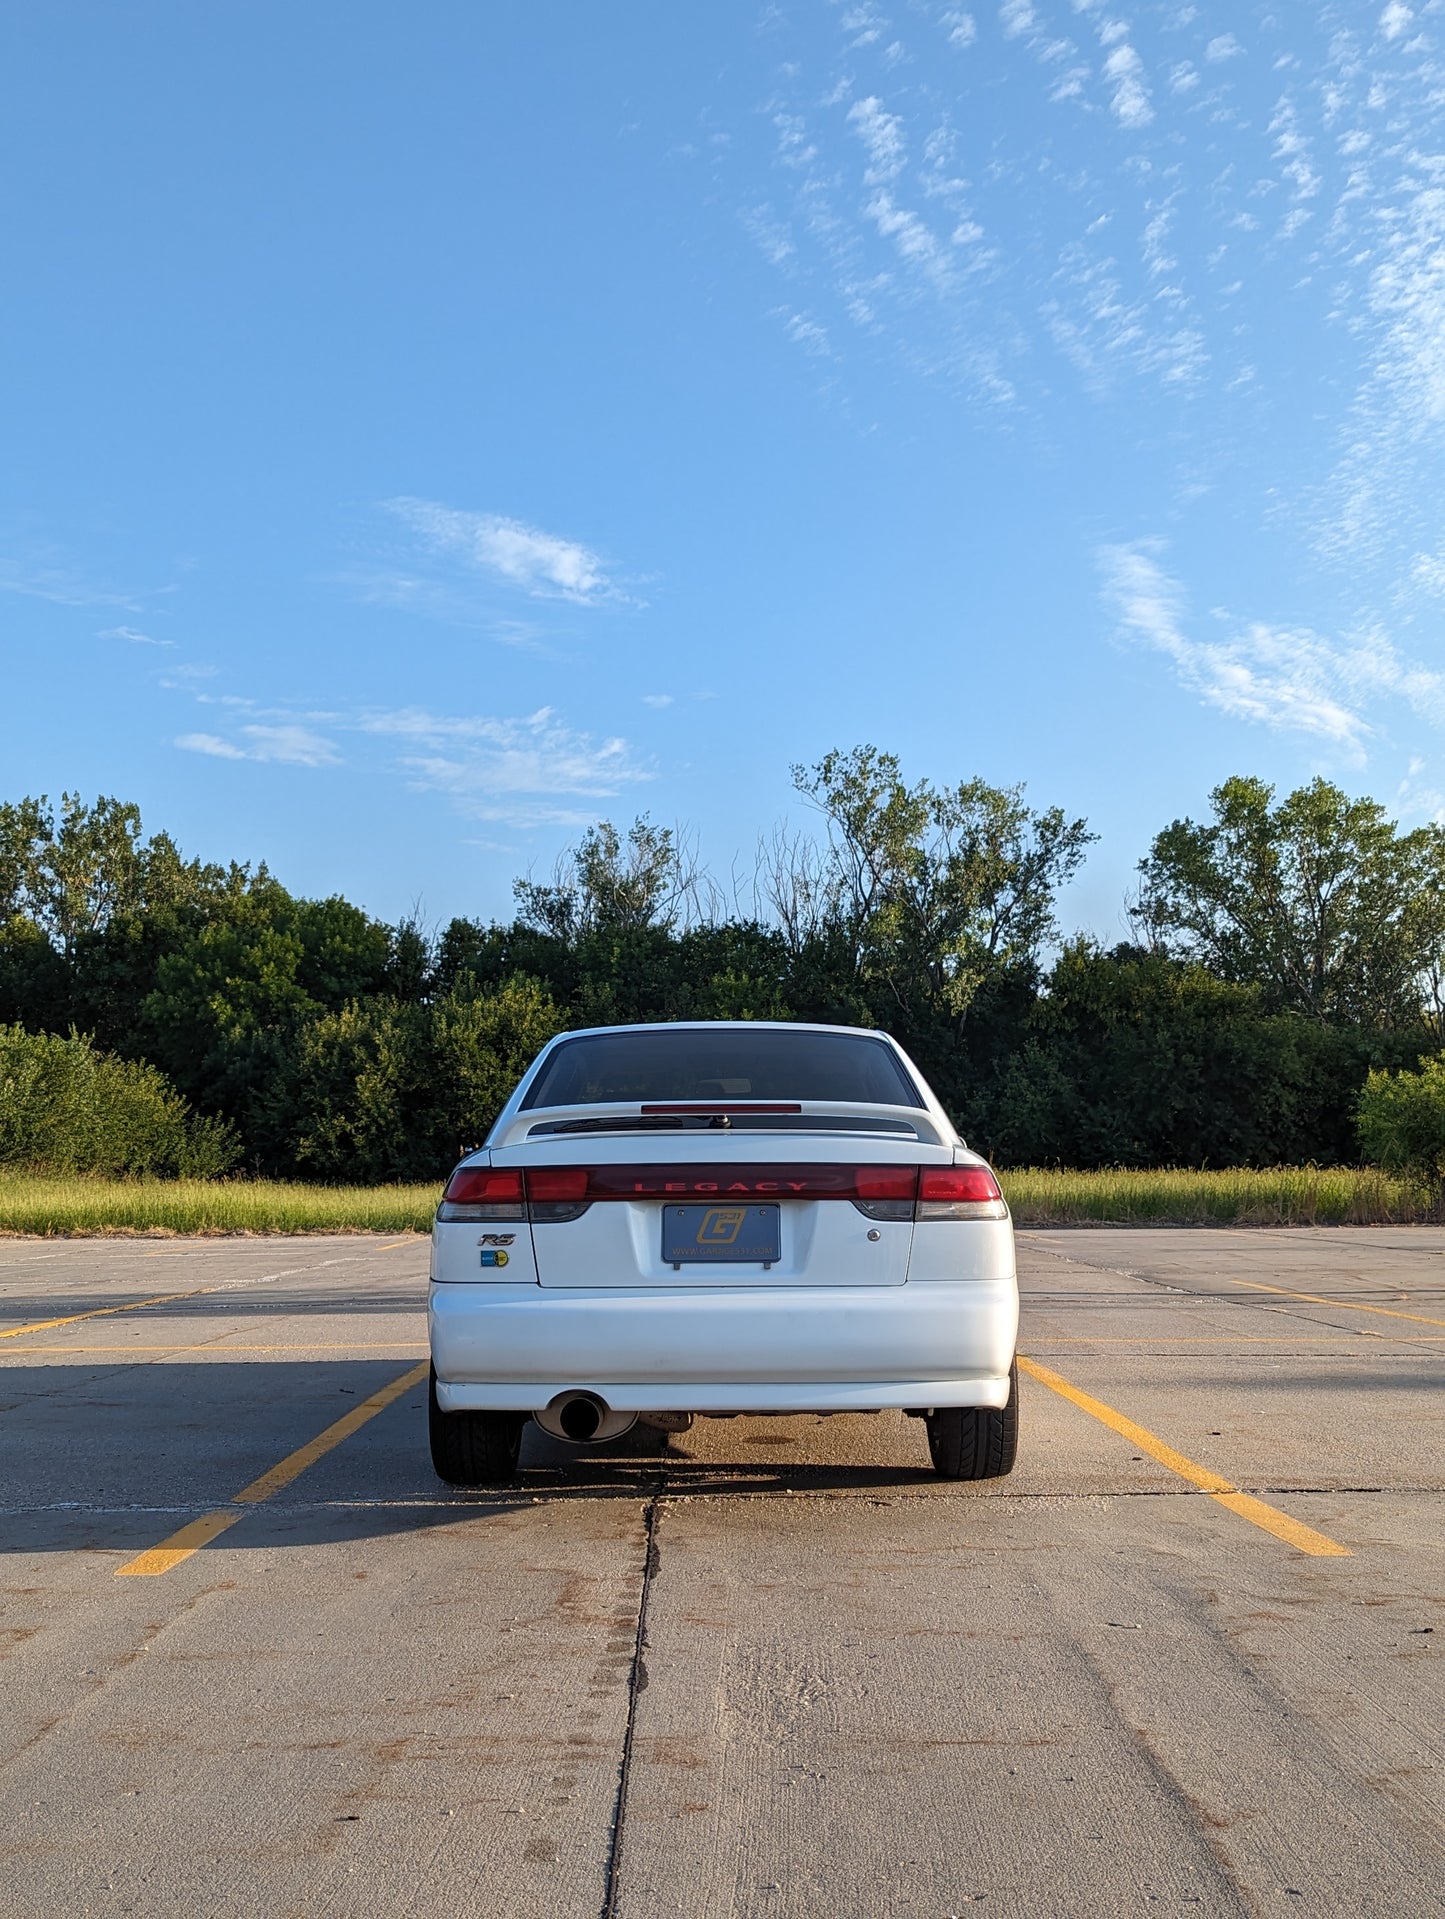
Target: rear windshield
[725,1062]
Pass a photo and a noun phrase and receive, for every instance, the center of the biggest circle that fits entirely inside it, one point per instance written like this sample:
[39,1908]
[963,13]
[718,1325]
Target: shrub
[1400,1118]
[386,1091]
[66,1108]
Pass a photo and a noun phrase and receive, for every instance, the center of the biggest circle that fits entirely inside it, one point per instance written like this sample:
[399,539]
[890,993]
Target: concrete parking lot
[255,1659]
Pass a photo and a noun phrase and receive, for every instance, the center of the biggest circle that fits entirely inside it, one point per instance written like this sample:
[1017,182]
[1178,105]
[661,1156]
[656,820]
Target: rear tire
[473,1449]
[976,1442]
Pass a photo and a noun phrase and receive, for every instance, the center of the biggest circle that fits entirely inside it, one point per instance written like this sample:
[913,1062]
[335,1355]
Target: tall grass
[1236,1196]
[1279,1196]
[163,1206]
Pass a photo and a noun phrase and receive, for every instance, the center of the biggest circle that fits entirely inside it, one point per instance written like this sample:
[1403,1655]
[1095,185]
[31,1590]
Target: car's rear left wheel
[473,1448]
[976,1442]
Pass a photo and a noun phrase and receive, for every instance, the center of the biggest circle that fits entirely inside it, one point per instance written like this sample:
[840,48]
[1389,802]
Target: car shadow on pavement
[106,1453]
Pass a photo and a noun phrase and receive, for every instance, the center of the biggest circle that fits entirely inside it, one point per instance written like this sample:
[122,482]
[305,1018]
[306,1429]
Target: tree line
[1281,949]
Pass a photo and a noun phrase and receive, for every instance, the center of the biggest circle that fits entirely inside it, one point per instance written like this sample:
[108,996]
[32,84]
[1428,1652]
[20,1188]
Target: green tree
[935,888]
[1131,1058]
[384,1090]
[926,911]
[66,1108]
[608,884]
[1319,901]
[72,876]
[1401,1121]
[231,997]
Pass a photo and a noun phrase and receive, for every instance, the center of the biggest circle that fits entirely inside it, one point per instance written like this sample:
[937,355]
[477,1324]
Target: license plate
[721,1235]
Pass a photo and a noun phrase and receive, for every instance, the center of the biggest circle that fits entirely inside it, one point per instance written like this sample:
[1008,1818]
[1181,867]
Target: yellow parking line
[295,1346]
[392,1244]
[1305,1538]
[164,1299]
[1350,1305]
[102,1312]
[200,1532]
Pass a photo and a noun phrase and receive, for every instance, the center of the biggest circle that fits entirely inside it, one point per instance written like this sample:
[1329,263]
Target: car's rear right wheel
[473,1448]
[976,1442]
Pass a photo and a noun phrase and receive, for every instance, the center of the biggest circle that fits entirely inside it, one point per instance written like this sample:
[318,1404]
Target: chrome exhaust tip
[583,1419]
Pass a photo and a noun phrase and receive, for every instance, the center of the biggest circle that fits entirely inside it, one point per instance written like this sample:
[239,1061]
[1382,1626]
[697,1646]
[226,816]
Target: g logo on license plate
[720,1225]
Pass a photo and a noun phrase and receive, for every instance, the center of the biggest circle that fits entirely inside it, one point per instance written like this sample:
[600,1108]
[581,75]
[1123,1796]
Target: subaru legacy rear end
[673,1221]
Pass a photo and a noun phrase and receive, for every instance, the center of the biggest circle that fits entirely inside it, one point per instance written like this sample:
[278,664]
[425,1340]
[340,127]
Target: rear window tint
[728,1062]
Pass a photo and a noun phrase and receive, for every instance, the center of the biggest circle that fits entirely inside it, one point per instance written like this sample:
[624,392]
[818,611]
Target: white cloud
[1103,332]
[60,586]
[1395,20]
[1016,17]
[962,31]
[772,238]
[659,700]
[882,135]
[1385,490]
[806,333]
[540,563]
[1287,678]
[130,633]
[866,25]
[1223,46]
[1293,149]
[1130,101]
[210,743]
[529,771]
[907,232]
[288,743]
[291,744]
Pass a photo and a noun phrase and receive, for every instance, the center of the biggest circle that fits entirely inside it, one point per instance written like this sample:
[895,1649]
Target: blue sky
[429,429]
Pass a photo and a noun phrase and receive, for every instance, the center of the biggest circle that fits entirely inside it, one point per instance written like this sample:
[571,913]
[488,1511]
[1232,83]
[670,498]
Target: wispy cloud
[545,565]
[287,743]
[806,333]
[531,771]
[210,744]
[291,744]
[61,587]
[130,634]
[882,136]
[1387,481]
[1287,678]
[1129,95]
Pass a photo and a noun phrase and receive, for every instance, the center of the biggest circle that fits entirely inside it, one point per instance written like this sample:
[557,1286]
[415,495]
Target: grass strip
[163,1207]
[1171,1196]
[1231,1196]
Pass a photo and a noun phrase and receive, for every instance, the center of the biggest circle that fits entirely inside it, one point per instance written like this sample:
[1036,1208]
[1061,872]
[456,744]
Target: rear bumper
[823,1349]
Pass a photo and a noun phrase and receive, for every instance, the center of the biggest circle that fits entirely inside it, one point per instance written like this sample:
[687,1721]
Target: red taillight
[931,1186]
[967,1183]
[481,1185]
[885,1182]
[557,1182]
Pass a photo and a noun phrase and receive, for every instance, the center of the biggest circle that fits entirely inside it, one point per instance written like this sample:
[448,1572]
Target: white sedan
[720,1217]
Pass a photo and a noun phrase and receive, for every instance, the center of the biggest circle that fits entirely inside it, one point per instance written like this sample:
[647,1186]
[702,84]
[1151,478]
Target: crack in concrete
[636,1686]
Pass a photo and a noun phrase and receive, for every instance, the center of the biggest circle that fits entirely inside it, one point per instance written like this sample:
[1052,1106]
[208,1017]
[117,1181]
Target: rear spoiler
[661,1118]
